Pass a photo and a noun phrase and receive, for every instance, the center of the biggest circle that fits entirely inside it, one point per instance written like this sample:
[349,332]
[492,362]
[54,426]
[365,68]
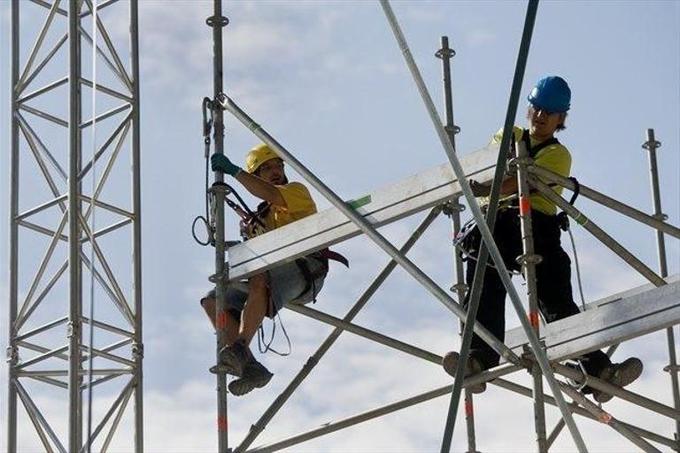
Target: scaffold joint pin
[672,368]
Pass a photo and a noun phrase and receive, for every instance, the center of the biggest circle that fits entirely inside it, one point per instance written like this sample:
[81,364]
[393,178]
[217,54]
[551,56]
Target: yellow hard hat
[257,156]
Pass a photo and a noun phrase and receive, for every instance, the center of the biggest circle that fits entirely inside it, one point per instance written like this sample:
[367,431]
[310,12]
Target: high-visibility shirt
[555,158]
[299,204]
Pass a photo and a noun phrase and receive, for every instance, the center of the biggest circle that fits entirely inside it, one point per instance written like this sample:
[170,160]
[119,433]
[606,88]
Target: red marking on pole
[605,418]
[533,319]
[222,423]
[524,205]
[221,321]
[469,408]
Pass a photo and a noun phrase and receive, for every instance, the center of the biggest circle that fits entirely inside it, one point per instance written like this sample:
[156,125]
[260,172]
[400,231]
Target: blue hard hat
[551,94]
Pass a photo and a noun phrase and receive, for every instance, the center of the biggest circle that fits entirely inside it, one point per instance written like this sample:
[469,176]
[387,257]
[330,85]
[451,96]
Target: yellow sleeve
[555,158]
[298,200]
[498,136]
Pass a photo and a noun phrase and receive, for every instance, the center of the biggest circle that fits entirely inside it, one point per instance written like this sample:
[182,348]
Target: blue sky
[328,81]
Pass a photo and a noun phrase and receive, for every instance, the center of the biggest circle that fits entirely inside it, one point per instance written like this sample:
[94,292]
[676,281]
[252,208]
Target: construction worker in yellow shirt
[549,102]
[296,282]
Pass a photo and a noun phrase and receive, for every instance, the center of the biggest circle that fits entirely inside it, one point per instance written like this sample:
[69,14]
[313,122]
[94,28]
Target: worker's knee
[208,303]
[257,282]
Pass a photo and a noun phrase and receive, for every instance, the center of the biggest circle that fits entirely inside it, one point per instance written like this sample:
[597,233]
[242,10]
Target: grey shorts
[286,284]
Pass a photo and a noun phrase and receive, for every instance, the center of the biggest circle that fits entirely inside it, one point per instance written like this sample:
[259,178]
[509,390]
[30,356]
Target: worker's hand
[220,162]
[479,189]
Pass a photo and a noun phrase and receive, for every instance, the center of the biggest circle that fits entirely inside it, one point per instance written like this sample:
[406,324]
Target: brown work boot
[620,375]
[472,367]
[233,358]
[255,376]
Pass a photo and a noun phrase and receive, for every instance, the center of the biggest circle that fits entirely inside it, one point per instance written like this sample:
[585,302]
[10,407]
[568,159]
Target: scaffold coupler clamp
[224,276]
[222,100]
[525,259]
[452,129]
[528,358]
[73,328]
[459,288]
[445,51]
[220,187]
[672,368]
[12,355]
[137,350]
[214,21]
[515,162]
[577,364]
[651,144]
[451,207]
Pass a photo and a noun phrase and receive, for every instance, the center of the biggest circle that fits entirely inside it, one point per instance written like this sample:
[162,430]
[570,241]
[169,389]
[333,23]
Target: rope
[243,211]
[268,344]
[578,269]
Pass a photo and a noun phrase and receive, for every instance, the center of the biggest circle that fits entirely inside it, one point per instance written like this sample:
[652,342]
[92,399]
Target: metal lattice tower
[74,167]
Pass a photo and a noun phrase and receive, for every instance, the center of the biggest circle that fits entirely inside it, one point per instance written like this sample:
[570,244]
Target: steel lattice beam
[66,177]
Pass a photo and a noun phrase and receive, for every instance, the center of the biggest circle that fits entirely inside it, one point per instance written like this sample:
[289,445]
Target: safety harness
[468,239]
[252,224]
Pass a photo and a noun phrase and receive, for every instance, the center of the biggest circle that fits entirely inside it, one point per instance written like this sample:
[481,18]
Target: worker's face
[543,124]
[272,171]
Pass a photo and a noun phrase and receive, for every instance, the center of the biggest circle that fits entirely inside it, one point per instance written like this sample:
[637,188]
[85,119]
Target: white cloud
[481,37]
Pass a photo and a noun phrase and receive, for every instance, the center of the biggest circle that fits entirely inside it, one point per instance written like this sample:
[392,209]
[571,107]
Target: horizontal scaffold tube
[598,232]
[606,201]
[526,391]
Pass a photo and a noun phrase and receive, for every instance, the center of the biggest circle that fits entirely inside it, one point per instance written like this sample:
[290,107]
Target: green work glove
[220,162]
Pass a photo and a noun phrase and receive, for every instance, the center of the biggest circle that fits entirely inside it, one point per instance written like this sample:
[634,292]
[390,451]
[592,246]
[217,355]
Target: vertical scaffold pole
[528,262]
[74,231]
[12,354]
[652,145]
[217,22]
[138,346]
[453,210]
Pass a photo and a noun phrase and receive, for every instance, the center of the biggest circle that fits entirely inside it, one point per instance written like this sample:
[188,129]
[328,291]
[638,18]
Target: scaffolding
[535,346]
[34,341]
[65,172]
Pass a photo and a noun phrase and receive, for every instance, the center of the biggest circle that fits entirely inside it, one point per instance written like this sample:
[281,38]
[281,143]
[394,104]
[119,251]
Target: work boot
[620,375]
[233,358]
[255,375]
[472,367]
[223,369]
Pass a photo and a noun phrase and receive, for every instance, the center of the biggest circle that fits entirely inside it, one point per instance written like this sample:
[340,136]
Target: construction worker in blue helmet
[549,102]
[264,294]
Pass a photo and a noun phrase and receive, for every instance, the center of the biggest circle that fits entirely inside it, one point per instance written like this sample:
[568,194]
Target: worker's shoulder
[516,131]
[295,186]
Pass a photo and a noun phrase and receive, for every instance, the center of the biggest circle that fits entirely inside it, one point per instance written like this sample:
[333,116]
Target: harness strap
[534,150]
[323,256]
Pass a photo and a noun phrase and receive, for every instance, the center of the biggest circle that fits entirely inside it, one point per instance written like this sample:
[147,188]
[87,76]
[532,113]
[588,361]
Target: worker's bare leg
[256,307]
[232,325]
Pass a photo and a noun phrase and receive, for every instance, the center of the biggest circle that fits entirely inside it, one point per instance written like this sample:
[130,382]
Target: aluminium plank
[330,226]
[618,318]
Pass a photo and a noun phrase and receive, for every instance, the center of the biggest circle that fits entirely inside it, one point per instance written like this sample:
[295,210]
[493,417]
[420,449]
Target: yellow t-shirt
[299,204]
[555,158]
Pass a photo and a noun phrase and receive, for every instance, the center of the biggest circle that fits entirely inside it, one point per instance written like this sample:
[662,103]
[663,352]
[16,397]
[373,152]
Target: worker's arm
[508,187]
[260,188]
[253,184]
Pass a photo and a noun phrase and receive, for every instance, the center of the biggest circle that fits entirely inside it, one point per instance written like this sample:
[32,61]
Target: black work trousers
[553,280]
